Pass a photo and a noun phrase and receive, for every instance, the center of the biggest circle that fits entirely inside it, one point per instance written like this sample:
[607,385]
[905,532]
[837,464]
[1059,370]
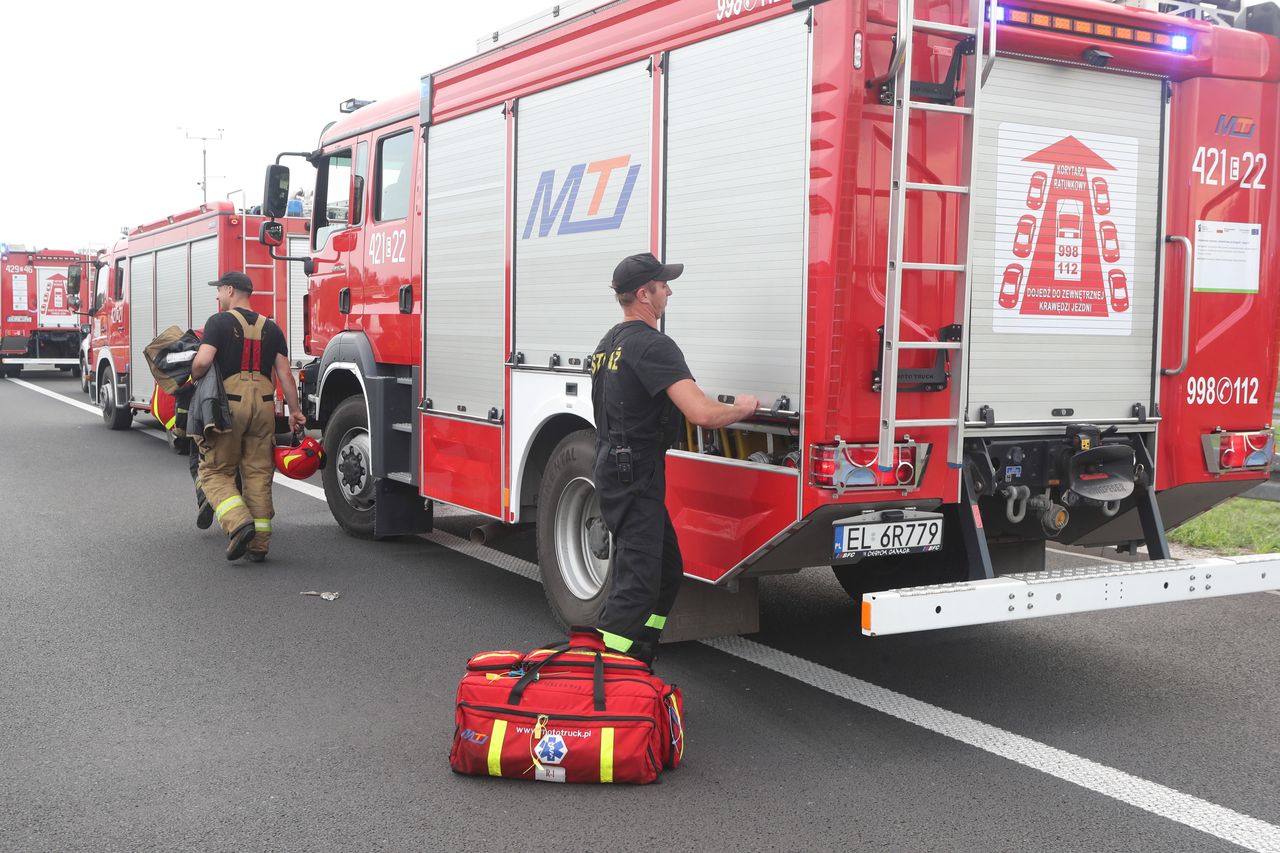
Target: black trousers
[646,567]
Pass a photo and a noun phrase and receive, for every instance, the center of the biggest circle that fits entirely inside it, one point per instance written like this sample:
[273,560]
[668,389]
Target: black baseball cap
[635,271]
[238,280]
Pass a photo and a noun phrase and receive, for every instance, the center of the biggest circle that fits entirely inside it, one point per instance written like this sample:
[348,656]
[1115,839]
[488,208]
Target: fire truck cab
[849,184]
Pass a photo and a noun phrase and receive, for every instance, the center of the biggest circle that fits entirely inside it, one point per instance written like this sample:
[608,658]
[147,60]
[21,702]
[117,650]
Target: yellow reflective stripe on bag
[495,747]
[606,755]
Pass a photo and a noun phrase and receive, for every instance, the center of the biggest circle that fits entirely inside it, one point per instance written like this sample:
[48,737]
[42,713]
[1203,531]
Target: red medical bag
[574,713]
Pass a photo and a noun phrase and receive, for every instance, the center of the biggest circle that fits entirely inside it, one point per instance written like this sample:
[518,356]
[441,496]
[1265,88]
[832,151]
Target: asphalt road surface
[155,697]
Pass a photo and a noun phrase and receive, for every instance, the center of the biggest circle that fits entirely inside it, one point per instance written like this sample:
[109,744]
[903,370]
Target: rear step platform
[1059,591]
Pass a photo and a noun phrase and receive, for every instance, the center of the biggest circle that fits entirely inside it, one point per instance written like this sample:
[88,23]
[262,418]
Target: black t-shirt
[225,332]
[631,369]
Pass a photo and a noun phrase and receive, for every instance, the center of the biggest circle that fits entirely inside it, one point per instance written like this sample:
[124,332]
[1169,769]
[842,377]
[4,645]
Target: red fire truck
[38,325]
[1005,274]
[158,276]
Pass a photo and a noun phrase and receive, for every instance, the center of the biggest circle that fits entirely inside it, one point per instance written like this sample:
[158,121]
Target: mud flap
[399,510]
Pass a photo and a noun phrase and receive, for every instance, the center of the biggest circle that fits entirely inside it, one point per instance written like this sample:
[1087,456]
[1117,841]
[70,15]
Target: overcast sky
[96,94]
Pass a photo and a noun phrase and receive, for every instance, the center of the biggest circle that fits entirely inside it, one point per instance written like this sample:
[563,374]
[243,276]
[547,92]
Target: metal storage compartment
[1065,247]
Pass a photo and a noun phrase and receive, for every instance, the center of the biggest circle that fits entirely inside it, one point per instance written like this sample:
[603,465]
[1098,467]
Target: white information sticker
[1227,256]
[20,293]
[544,773]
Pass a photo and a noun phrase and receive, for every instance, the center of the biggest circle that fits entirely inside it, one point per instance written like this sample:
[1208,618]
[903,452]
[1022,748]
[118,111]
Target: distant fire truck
[158,276]
[38,325]
[1005,274]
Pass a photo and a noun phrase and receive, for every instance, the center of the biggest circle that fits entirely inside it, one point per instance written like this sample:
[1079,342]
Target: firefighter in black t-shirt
[639,379]
[247,348]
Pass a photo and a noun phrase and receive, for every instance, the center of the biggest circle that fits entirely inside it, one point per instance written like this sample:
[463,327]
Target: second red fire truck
[158,276]
[1005,274]
[38,324]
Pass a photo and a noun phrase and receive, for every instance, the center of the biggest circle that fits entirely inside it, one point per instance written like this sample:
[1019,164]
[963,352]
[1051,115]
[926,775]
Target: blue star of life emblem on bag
[551,749]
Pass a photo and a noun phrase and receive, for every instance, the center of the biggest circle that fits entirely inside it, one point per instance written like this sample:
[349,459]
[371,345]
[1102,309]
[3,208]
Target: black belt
[266,398]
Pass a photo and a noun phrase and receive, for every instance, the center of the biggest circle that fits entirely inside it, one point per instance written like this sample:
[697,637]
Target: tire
[77,372]
[114,415]
[348,476]
[573,543]
[84,377]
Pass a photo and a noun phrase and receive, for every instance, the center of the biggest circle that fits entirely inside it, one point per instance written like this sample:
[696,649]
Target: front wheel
[573,542]
[114,415]
[348,478]
[84,378]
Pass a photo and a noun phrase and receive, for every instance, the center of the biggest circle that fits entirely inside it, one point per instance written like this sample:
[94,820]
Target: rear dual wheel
[573,542]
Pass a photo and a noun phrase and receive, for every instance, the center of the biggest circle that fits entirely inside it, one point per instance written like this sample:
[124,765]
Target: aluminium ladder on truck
[980,42]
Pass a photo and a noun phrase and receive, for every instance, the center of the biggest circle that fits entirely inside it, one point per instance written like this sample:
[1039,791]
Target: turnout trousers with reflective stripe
[646,567]
[246,448]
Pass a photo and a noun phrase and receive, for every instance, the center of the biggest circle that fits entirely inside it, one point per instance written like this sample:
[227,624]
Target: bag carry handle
[531,675]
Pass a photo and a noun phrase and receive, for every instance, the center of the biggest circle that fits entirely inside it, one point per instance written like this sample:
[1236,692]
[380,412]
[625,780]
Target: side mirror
[356,207]
[271,234]
[344,241]
[275,192]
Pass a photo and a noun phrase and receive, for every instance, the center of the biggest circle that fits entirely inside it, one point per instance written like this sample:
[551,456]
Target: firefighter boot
[204,511]
[240,540]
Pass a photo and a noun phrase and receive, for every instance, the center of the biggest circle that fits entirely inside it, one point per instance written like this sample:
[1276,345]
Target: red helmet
[301,460]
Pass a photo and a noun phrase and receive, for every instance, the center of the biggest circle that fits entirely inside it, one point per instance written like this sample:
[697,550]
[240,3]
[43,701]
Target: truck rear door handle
[344,301]
[1186,304]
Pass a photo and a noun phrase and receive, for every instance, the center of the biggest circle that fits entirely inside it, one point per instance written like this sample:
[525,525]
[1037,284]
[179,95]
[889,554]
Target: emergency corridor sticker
[1066,206]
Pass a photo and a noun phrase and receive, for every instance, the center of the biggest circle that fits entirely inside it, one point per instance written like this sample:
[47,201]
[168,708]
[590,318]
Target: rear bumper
[1061,591]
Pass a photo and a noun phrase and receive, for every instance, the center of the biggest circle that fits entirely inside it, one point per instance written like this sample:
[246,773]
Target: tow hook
[1016,507]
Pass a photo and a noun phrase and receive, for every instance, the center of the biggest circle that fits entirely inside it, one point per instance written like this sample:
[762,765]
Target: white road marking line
[93,410]
[1209,818]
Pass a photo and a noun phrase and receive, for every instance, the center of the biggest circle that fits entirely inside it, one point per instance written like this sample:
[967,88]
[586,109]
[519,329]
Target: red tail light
[1226,452]
[842,466]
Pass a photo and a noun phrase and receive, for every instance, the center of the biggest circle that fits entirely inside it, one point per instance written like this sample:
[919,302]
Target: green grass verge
[1238,526]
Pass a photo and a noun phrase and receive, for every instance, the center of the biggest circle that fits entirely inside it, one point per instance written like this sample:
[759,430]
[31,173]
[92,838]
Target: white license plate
[880,539]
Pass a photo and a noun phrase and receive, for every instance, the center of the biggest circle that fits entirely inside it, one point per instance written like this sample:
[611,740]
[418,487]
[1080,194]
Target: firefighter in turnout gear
[247,348]
[639,380]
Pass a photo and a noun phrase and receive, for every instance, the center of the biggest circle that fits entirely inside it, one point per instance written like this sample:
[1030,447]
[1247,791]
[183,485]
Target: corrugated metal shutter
[737,130]
[142,329]
[1025,366]
[465,285]
[204,269]
[569,236]
[171,288]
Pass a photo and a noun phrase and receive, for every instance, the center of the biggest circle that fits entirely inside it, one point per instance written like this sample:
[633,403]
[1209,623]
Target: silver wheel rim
[106,397]
[355,469]
[582,540]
